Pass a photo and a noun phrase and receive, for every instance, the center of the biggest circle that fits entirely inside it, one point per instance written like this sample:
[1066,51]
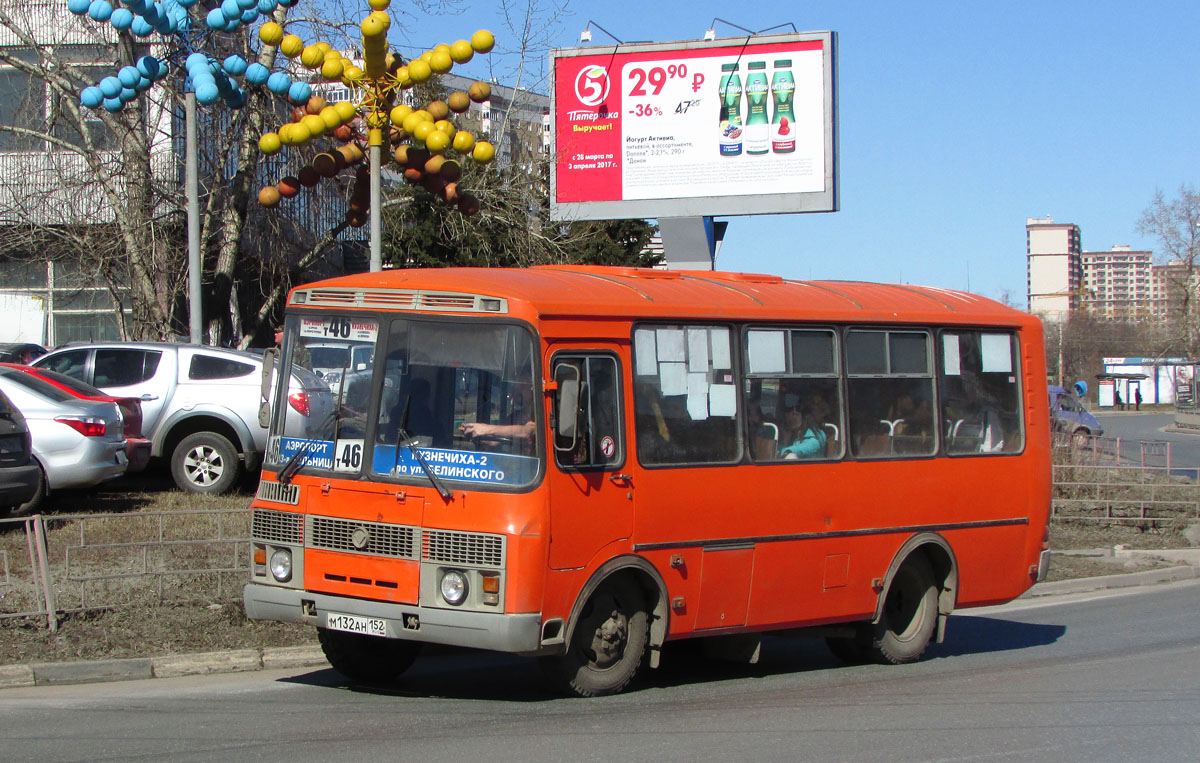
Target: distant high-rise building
[1119,284]
[1054,272]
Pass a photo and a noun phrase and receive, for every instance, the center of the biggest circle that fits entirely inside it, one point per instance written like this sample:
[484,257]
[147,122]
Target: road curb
[171,666]
[1106,582]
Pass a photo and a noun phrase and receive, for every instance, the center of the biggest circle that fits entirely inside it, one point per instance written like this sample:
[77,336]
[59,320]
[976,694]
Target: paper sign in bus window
[670,345]
[950,357]
[672,378]
[697,401]
[766,352]
[997,353]
[697,345]
[646,351]
[720,347]
[722,400]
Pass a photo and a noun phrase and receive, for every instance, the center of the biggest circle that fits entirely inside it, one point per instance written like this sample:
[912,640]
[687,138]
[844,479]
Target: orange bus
[585,463]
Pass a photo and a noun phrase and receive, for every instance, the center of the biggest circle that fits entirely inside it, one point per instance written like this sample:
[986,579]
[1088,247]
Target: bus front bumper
[517,633]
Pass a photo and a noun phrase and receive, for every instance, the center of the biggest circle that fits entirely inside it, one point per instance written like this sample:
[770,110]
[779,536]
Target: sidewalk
[242,660]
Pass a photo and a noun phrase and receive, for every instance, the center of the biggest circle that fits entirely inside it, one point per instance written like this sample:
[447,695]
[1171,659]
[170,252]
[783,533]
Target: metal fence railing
[60,564]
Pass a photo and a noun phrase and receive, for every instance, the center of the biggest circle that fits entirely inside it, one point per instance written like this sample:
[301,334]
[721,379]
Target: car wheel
[33,504]
[367,659]
[205,462]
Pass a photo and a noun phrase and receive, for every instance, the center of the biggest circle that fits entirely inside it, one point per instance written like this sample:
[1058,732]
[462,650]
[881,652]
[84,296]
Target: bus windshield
[415,397]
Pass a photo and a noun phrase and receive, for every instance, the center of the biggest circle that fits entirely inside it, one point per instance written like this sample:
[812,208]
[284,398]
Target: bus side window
[981,405]
[891,393]
[598,440]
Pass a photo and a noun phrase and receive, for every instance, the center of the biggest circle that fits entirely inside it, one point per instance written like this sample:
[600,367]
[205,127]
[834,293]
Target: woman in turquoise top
[808,437]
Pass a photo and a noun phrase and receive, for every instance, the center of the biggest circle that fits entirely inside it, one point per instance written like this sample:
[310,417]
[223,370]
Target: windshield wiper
[297,459]
[405,440]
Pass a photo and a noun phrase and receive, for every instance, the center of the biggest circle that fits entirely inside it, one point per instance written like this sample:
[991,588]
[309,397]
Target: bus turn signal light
[491,584]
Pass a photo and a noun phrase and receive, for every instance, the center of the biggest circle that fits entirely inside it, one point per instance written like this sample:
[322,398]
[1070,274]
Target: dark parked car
[1068,415]
[19,474]
[20,352]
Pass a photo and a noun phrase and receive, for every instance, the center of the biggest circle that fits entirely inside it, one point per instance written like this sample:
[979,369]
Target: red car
[137,447]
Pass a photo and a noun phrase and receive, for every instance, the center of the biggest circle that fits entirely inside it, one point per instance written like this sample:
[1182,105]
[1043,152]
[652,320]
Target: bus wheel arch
[617,625]
[922,580]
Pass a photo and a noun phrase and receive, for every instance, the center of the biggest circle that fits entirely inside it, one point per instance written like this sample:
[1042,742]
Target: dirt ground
[218,625]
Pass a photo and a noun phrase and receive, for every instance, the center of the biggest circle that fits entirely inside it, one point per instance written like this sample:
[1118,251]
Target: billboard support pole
[690,243]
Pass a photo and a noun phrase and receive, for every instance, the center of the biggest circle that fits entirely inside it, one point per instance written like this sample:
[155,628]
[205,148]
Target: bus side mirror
[567,399]
[264,405]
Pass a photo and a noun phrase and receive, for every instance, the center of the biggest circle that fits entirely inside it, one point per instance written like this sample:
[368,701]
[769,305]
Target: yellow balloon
[325,48]
[329,115]
[285,135]
[436,141]
[482,41]
[402,77]
[484,152]
[332,55]
[410,122]
[270,33]
[352,74]
[314,124]
[440,62]
[445,125]
[423,130]
[426,56]
[399,113]
[332,69]
[300,133]
[311,57]
[462,52]
[463,142]
[379,5]
[269,143]
[345,111]
[419,71]
[371,26]
[291,46]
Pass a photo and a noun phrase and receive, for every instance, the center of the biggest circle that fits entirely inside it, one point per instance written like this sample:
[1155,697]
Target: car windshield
[462,394]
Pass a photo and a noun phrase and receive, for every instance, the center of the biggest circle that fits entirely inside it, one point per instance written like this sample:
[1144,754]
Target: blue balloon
[232,24]
[231,9]
[113,104]
[129,75]
[121,19]
[141,27]
[91,96]
[266,7]
[249,16]
[128,94]
[110,87]
[152,13]
[235,65]
[279,83]
[100,10]
[256,74]
[78,7]
[194,61]
[207,92]
[143,84]
[150,67]
[215,19]
[247,4]
[299,93]
[186,3]
[165,26]
[138,6]
[236,99]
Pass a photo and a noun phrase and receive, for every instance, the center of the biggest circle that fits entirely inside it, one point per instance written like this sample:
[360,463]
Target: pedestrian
[1120,405]
[1137,398]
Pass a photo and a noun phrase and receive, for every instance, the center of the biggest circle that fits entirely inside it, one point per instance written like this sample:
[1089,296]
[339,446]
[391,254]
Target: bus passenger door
[591,494]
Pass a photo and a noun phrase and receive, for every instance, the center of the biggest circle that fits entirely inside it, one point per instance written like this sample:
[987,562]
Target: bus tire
[367,659]
[910,614]
[608,644]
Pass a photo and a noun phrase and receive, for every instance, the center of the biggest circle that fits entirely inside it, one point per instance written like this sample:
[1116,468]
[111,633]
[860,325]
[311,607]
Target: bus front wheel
[910,614]
[367,659]
[608,645]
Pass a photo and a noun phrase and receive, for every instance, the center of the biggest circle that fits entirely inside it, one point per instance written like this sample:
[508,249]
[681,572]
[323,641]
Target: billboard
[733,126]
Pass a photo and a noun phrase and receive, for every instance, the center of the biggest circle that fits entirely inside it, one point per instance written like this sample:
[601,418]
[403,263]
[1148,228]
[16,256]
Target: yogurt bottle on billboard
[758,128]
[731,110]
[783,121]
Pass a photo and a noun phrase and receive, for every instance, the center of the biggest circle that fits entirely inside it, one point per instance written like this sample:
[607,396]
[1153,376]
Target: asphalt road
[1133,427]
[1097,677]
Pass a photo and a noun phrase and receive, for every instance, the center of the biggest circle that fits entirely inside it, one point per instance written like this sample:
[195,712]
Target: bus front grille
[277,526]
[462,548]
[396,541]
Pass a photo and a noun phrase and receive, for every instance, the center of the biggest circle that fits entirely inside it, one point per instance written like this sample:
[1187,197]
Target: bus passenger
[806,437]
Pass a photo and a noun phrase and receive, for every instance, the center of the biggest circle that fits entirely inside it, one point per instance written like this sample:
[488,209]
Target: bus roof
[598,292]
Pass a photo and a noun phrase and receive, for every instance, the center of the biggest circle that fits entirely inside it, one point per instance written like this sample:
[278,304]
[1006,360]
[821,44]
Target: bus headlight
[454,587]
[281,565]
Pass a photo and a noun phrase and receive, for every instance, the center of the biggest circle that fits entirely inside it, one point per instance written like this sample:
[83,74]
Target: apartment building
[1121,283]
[1054,269]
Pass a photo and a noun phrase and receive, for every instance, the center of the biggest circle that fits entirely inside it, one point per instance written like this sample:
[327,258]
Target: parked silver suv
[199,404]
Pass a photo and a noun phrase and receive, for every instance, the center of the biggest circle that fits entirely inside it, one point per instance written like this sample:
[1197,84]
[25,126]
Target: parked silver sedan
[77,443]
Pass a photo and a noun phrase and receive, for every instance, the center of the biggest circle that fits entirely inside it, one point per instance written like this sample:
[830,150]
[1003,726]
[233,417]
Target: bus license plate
[369,626]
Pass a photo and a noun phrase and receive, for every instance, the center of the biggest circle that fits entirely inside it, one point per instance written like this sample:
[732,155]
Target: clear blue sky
[958,120]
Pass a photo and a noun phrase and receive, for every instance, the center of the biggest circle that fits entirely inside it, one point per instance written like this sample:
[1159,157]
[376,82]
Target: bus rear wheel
[910,614]
[608,645]
[367,659]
